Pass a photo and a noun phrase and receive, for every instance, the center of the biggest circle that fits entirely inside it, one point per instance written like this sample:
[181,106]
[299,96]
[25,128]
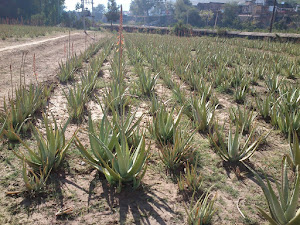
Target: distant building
[261,11]
[213,6]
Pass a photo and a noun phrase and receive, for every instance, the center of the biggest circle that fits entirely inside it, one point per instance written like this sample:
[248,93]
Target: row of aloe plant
[73,64]
[233,152]
[46,157]
[119,151]
[175,142]
[51,148]
[289,124]
[192,68]
[118,148]
[201,111]
[173,139]
[20,110]
[78,95]
[282,109]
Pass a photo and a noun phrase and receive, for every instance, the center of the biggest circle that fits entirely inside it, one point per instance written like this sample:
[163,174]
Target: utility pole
[58,11]
[216,20]
[93,15]
[273,16]
[83,14]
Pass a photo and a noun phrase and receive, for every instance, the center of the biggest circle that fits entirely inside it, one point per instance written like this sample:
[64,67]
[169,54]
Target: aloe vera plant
[285,118]
[264,106]
[164,125]
[290,96]
[34,181]
[107,136]
[233,152]
[204,90]
[240,94]
[68,69]
[122,166]
[88,80]
[77,97]
[201,211]
[174,154]
[130,125]
[2,128]
[19,111]
[155,105]
[116,97]
[202,113]
[244,118]
[216,134]
[146,81]
[191,180]
[179,95]
[288,122]
[273,83]
[283,210]
[50,150]
[294,157]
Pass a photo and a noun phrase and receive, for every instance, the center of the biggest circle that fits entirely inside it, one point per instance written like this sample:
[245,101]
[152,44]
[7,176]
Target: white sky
[70,4]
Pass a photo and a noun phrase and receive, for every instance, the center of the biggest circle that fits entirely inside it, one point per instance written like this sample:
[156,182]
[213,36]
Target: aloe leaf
[296,219]
[267,217]
[84,151]
[294,197]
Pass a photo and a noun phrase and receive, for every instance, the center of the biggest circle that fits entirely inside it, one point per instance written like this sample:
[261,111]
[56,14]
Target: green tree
[50,11]
[207,15]
[141,7]
[230,16]
[193,17]
[185,11]
[181,10]
[99,11]
[113,12]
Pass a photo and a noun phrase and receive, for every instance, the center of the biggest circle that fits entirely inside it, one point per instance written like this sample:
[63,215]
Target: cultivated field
[21,32]
[137,130]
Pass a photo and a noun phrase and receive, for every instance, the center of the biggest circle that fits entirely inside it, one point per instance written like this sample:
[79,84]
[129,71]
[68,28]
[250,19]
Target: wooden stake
[34,69]
[11,80]
[69,43]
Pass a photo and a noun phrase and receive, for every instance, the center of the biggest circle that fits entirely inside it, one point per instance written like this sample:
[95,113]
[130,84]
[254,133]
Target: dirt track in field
[49,51]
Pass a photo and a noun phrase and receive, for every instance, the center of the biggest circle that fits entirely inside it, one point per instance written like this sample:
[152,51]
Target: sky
[70,4]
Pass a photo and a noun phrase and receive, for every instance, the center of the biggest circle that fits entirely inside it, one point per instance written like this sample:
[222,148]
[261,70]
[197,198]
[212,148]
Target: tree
[141,7]
[181,10]
[193,17]
[99,11]
[113,12]
[185,11]
[208,15]
[49,11]
[230,16]
[78,6]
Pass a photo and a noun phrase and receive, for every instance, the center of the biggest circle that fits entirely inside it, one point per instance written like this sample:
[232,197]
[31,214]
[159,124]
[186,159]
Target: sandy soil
[49,51]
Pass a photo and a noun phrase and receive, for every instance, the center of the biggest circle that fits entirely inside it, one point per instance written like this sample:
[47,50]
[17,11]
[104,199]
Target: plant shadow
[141,203]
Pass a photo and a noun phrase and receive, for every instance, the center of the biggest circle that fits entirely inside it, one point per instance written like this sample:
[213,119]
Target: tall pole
[58,11]
[83,15]
[216,20]
[93,16]
[273,16]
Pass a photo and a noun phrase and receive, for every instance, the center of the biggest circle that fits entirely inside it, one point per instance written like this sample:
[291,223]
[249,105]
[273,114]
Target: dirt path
[32,43]
[48,53]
